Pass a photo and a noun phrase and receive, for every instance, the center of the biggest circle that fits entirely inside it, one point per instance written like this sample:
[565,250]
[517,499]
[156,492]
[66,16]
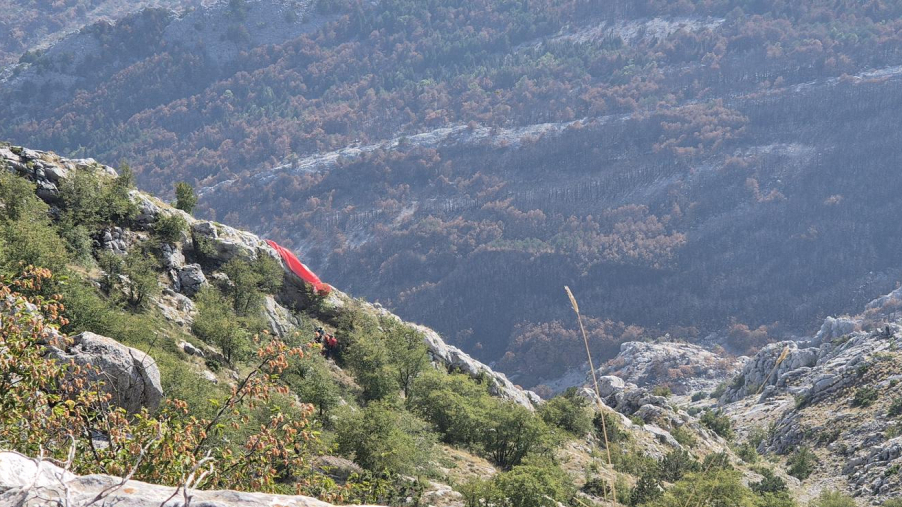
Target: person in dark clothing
[330,345]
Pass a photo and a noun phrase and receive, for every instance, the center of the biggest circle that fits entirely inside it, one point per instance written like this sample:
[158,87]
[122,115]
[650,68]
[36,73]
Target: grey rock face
[767,368]
[837,327]
[148,211]
[281,321]
[28,483]
[173,258]
[226,243]
[454,358]
[684,367]
[191,279]
[115,240]
[47,170]
[131,376]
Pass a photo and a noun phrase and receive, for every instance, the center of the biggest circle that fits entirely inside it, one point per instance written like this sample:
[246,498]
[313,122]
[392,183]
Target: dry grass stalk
[604,425]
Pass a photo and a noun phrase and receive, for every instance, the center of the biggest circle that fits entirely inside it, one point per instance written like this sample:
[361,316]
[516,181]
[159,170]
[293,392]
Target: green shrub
[454,404]
[407,354]
[833,499]
[801,464]
[141,283]
[683,435]
[895,407]
[662,390]
[250,281]
[216,324]
[314,384]
[718,422]
[632,461]
[893,502]
[719,391]
[510,433]
[611,421]
[27,236]
[722,488]
[699,396]
[540,484]
[769,483]
[93,201]
[185,197]
[647,489]
[675,465]
[865,397]
[385,438]
[569,412]
[747,452]
[169,228]
[369,361]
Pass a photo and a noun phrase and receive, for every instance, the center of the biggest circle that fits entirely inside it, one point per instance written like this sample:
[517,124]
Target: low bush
[684,436]
[385,438]
[895,407]
[833,499]
[569,412]
[662,390]
[538,484]
[170,228]
[676,464]
[801,463]
[718,422]
[769,483]
[865,397]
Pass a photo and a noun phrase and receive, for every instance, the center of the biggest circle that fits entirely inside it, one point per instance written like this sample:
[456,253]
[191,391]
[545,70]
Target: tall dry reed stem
[604,424]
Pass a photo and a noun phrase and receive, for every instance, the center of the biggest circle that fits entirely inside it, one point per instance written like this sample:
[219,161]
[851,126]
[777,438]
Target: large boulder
[131,376]
[190,279]
[224,243]
[30,483]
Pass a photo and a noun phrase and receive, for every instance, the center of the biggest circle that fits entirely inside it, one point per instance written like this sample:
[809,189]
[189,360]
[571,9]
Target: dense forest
[688,167]
[30,24]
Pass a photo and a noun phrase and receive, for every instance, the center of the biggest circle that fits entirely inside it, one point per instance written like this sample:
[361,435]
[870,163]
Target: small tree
[407,354]
[140,284]
[185,197]
[169,228]
[217,324]
[382,438]
[718,422]
[568,412]
[676,464]
[317,386]
[648,488]
[510,433]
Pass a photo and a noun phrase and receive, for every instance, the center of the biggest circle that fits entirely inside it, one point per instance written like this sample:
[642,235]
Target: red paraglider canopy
[297,267]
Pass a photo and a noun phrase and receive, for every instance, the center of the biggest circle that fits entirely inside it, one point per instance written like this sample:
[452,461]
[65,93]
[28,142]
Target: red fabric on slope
[298,268]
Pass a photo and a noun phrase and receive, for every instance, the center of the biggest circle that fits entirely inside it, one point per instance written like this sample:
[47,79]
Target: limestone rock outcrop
[131,376]
[31,483]
[683,367]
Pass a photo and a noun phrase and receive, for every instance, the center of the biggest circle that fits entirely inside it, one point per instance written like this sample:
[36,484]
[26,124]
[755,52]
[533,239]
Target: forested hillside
[688,167]
[29,25]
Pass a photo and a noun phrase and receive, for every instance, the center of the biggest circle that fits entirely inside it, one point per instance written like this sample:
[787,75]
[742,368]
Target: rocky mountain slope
[176,361]
[837,394]
[689,167]
[50,172]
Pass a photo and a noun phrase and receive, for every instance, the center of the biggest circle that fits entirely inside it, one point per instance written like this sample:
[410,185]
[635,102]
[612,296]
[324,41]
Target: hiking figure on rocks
[330,345]
[319,334]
